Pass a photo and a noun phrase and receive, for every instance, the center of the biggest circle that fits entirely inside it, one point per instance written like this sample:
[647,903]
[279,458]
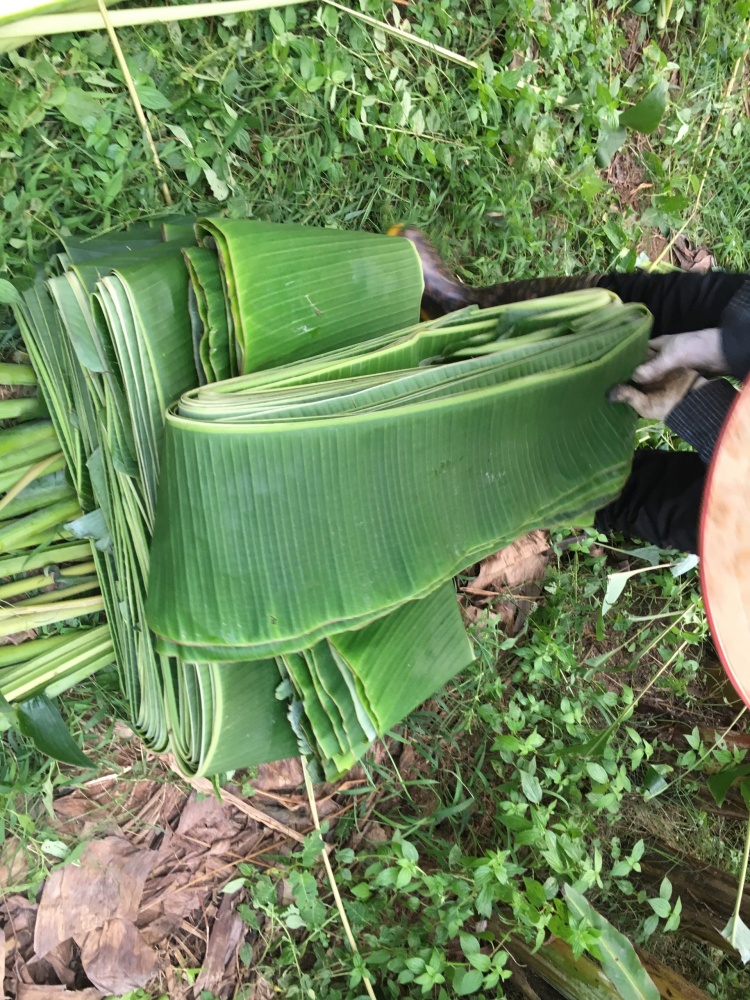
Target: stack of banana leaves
[281,470]
[52,632]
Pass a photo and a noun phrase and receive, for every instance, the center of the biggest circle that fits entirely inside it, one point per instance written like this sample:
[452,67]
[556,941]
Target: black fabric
[660,502]
[699,417]
[735,332]
[679,301]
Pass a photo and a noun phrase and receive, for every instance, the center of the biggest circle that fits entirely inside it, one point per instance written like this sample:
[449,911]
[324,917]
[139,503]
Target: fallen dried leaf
[371,833]
[280,776]
[224,940]
[105,884]
[262,990]
[524,561]
[25,991]
[697,259]
[116,958]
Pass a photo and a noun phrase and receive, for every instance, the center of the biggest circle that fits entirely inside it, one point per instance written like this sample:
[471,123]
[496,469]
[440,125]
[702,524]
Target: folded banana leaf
[293,530]
[316,507]
[117,334]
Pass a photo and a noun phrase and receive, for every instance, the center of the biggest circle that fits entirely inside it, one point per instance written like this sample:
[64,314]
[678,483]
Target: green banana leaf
[323,507]
[290,532]
[119,320]
[295,291]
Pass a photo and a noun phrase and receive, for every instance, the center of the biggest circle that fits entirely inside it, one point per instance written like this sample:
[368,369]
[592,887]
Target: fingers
[655,369]
[639,401]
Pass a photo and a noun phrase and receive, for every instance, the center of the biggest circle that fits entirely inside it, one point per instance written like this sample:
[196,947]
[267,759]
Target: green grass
[307,115]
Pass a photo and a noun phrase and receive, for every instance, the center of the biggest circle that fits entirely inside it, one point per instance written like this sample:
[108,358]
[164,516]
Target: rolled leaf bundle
[112,334]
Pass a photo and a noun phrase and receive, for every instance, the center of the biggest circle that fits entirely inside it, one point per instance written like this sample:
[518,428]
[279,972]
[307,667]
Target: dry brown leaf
[14,865]
[106,883]
[18,936]
[116,958]
[697,259]
[61,960]
[262,990]
[280,776]
[25,991]
[523,561]
[223,943]
[372,833]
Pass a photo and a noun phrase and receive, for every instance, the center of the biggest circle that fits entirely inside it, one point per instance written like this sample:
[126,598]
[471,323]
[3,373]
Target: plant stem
[17,375]
[331,876]
[26,407]
[53,555]
[139,113]
[29,477]
[741,886]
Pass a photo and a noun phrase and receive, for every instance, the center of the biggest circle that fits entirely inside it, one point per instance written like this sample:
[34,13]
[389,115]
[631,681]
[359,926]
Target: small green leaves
[720,783]
[609,142]
[467,981]
[151,98]
[354,129]
[79,107]
[645,117]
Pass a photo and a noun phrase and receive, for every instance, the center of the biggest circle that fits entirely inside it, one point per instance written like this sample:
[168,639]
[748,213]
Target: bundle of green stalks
[48,582]
[281,469]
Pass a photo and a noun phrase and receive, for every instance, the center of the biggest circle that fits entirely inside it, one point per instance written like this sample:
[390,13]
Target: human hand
[700,350]
[657,399]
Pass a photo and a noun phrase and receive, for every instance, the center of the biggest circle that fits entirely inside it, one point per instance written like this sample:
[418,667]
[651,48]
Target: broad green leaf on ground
[615,952]
[646,115]
[41,721]
[720,783]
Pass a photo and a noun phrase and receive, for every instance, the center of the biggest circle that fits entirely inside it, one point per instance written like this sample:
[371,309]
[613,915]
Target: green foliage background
[307,115]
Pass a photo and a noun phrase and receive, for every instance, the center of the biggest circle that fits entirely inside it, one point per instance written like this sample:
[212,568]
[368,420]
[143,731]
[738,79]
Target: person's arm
[735,332]
[701,321]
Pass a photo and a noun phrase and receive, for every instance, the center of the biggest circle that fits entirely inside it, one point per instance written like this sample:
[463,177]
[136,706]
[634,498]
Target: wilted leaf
[615,586]
[219,187]
[737,933]
[690,561]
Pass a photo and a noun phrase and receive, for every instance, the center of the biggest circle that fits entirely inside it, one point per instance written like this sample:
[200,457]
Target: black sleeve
[699,417]
[683,301]
[660,502]
[735,331]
